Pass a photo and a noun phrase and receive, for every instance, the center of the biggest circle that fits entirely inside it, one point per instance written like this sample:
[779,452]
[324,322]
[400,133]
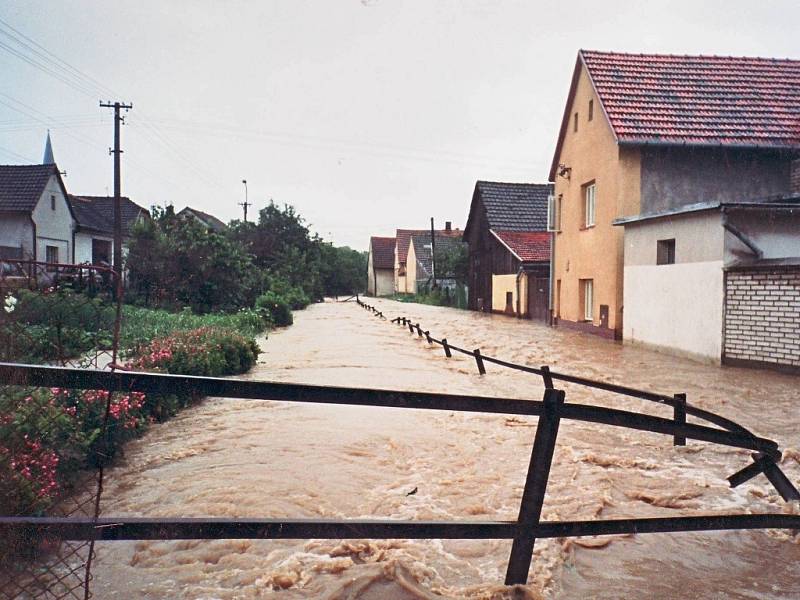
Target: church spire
[48,152]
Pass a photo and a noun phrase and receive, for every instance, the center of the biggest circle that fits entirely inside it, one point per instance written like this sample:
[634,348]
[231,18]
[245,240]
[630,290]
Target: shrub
[208,351]
[276,309]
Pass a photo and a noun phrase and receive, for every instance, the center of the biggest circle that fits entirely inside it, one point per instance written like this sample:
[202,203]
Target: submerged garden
[195,301]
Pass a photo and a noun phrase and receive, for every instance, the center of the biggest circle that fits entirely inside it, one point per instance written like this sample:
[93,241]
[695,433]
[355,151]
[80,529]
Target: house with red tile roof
[380,266]
[648,134]
[509,248]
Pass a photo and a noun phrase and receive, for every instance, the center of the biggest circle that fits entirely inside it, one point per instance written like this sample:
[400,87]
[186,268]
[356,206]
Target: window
[665,252]
[587,298]
[554,213]
[589,204]
[575,122]
[52,202]
[591,109]
[101,252]
[51,256]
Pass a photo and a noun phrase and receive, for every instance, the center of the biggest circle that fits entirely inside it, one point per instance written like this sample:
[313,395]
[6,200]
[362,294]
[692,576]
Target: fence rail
[550,410]
[524,531]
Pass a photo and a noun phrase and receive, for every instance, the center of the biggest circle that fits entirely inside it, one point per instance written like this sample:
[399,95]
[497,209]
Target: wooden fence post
[446,348]
[479,361]
[530,510]
[428,337]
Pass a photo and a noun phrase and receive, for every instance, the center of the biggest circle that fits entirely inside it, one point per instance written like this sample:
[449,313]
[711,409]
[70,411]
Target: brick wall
[762,316]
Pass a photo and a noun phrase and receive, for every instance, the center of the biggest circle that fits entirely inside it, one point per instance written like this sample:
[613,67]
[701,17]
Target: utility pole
[433,255]
[117,188]
[245,204]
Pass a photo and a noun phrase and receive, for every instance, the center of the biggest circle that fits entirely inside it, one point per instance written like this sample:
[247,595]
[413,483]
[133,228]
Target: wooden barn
[509,249]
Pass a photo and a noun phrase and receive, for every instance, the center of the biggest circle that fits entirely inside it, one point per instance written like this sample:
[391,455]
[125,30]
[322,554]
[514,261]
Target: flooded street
[243,458]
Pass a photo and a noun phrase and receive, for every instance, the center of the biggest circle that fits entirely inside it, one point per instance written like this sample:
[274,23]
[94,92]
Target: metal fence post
[479,361]
[446,348]
[530,510]
[548,379]
[680,418]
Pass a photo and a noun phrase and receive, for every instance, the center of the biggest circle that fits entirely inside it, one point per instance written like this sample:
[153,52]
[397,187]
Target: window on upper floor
[591,109]
[554,213]
[575,122]
[589,204]
[665,252]
[52,202]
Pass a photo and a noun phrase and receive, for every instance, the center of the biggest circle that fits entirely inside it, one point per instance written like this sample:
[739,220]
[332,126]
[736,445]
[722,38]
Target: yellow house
[648,133]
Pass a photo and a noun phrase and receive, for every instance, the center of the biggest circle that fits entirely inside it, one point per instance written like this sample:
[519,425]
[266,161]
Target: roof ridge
[585,51]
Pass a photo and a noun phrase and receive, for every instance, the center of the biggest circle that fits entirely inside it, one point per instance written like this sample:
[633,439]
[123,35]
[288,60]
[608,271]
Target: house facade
[685,270]
[380,266]
[402,284]
[643,134]
[422,271]
[509,249]
[36,219]
[93,237]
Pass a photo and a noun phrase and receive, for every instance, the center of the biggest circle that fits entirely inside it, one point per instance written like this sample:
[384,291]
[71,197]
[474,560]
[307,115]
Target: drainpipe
[742,237]
[520,271]
[552,269]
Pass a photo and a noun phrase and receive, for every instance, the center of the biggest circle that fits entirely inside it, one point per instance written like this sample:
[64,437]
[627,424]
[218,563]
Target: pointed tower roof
[48,152]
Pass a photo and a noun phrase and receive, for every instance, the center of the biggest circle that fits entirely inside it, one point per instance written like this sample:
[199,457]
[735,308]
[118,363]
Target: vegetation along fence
[46,530]
[54,442]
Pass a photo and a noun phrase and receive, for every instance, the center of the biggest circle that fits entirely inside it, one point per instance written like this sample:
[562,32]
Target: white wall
[777,234]
[16,231]
[675,307]
[83,246]
[385,282]
[53,227]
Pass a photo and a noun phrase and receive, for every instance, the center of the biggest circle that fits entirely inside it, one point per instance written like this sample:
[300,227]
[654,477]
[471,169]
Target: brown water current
[241,458]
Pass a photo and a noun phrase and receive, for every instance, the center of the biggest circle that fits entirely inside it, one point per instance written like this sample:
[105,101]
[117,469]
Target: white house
[94,226]
[718,281]
[36,219]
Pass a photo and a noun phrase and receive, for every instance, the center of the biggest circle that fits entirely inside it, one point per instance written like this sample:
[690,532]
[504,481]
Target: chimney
[448,225]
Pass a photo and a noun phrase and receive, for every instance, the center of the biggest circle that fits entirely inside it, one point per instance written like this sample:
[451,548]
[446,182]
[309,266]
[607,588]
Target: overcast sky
[366,115]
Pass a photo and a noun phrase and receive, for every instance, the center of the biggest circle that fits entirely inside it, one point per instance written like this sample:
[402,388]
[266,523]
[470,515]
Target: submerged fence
[523,531]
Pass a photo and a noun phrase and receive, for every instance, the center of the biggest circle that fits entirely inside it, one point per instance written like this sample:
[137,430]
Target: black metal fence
[69,316]
[550,410]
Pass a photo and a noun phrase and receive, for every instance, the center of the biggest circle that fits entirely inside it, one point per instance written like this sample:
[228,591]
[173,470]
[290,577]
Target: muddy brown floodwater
[240,458]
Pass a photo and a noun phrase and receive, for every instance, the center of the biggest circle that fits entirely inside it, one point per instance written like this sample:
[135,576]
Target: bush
[207,351]
[53,325]
[275,309]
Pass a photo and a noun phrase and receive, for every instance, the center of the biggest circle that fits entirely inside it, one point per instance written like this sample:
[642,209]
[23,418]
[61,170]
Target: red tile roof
[694,100]
[528,246]
[382,249]
[404,239]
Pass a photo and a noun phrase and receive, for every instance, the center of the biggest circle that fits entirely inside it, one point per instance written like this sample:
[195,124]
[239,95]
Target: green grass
[140,325]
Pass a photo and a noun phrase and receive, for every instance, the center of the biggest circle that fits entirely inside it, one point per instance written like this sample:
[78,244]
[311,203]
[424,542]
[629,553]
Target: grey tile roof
[96,213]
[422,250]
[21,186]
[515,206]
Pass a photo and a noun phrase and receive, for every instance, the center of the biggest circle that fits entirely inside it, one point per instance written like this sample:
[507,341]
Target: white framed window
[589,195]
[554,213]
[587,296]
